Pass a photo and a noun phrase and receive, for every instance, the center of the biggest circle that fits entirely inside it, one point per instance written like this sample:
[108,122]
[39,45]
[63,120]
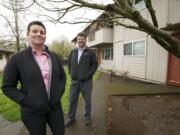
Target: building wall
[104,35]
[157,57]
[168,11]
[118,56]
[153,66]
[2,62]
[107,64]
[156,68]
[135,65]
[174,11]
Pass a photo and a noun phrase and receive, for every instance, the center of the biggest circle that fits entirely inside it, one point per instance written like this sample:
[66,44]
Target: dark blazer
[32,95]
[87,66]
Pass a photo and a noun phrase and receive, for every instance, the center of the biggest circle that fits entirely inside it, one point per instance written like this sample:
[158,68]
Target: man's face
[81,41]
[37,35]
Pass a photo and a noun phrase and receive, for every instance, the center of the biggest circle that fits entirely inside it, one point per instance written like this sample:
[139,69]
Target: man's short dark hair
[35,23]
[82,34]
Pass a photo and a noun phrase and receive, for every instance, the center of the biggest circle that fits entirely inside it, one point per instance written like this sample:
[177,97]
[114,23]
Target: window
[135,48]
[138,48]
[128,49]
[139,4]
[108,54]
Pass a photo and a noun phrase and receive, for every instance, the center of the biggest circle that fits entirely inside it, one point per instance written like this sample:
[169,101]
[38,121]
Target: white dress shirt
[80,51]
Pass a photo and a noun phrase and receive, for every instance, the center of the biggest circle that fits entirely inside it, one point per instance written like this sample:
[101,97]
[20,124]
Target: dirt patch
[144,115]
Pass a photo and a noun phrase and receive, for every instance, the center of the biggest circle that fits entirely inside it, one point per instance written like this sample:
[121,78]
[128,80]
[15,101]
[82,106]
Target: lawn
[10,110]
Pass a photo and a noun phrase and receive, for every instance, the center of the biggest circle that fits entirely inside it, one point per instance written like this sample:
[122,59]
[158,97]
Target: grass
[10,110]
[65,98]
[134,87]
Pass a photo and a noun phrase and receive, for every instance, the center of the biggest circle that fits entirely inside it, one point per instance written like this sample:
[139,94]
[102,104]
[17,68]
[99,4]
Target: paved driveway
[99,109]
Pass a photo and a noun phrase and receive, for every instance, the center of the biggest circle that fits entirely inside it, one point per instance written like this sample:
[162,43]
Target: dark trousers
[36,123]
[77,87]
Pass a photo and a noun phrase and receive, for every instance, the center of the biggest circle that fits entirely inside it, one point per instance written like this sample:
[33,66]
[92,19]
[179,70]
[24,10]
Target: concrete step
[11,129]
[15,128]
[3,122]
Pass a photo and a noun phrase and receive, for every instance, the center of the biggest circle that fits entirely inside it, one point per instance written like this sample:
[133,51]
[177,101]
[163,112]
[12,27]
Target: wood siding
[134,65]
[118,56]
[174,11]
[156,67]
[107,64]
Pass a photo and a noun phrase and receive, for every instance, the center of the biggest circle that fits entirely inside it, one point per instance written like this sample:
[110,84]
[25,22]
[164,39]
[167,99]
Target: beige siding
[161,7]
[107,64]
[125,34]
[152,66]
[118,56]
[118,33]
[130,34]
[156,62]
[174,11]
[167,11]
[135,66]
[156,69]
[121,33]
[104,35]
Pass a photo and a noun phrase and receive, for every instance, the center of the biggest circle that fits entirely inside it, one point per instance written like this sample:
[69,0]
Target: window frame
[132,48]
[136,5]
[111,53]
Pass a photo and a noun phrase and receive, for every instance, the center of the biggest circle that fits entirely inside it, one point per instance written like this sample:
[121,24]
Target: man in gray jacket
[82,65]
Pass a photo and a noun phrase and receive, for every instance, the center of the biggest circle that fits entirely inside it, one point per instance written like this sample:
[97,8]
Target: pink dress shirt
[42,61]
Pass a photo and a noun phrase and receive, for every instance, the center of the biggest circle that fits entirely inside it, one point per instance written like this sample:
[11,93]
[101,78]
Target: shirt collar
[82,49]
[42,53]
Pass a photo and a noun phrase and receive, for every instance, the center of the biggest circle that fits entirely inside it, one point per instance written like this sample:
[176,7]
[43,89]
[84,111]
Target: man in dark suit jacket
[42,80]
[82,65]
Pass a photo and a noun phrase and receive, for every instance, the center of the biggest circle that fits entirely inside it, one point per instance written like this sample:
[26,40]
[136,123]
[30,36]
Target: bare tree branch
[9,23]
[127,26]
[54,9]
[122,9]
[152,12]
[15,7]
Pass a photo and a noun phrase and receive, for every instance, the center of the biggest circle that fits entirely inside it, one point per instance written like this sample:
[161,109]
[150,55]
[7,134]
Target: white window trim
[133,41]
[111,53]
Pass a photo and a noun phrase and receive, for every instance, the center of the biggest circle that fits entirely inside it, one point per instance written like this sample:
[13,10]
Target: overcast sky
[54,31]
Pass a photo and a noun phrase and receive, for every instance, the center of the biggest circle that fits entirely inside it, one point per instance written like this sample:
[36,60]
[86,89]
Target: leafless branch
[9,23]
[152,12]
[127,26]
[55,9]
